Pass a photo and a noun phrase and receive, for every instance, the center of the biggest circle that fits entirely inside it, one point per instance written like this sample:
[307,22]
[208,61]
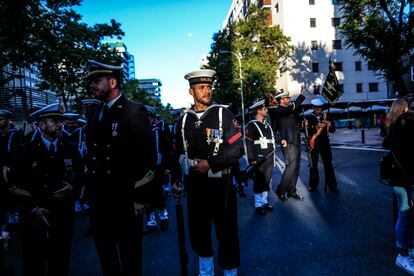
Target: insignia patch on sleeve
[235,137]
[236,123]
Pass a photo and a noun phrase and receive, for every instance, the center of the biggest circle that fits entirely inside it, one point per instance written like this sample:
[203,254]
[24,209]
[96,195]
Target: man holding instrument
[319,127]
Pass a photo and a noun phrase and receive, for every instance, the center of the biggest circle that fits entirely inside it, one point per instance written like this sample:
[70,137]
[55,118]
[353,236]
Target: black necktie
[52,150]
[104,112]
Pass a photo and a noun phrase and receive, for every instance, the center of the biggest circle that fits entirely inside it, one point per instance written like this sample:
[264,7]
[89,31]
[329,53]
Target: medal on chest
[214,135]
[114,129]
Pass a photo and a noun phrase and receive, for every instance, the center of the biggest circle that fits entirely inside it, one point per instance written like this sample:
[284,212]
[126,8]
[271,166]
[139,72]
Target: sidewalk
[354,137]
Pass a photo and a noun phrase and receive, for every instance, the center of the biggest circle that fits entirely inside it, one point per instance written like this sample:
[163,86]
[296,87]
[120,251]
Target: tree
[49,36]
[382,33]
[133,92]
[263,49]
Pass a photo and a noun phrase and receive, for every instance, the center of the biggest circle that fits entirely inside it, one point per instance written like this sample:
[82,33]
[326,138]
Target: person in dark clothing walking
[319,128]
[163,148]
[399,136]
[120,163]
[208,143]
[47,168]
[285,120]
[260,142]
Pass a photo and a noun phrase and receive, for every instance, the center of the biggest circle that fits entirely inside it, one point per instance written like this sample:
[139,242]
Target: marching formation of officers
[120,158]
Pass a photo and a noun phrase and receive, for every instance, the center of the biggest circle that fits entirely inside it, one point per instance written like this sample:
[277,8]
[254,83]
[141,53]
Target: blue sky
[167,37]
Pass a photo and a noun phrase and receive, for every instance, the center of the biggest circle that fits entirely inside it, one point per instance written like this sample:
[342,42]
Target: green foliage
[263,49]
[382,33]
[50,37]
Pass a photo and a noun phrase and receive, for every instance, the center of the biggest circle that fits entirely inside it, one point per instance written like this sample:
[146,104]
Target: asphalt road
[350,233]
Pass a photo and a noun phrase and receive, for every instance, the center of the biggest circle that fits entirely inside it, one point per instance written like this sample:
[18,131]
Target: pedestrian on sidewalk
[399,137]
[319,126]
[285,120]
[209,143]
[260,142]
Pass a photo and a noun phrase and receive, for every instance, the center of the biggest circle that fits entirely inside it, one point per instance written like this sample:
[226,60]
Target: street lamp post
[241,84]
[238,56]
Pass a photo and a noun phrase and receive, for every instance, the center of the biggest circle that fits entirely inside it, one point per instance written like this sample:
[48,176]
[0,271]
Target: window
[313,22]
[373,87]
[359,87]
[336,44]
[338,66]
[314,45]
[315,67]
[316,89]
[311,2]
[357,66]
[336,21]
[245,9]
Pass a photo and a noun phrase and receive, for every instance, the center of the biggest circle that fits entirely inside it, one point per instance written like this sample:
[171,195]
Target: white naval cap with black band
[200,76]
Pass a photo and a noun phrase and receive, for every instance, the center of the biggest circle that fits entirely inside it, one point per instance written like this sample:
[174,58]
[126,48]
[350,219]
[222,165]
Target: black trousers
[212,201]
[324,150]
[158,185]
[118,240]
[46,250]
[291,173]
[263,176]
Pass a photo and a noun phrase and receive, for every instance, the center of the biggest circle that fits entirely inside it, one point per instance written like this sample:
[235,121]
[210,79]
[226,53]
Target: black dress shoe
[335,191]
[282,197]
[312,189]
[164,224]
[260,211]
[267,207]
[150,229]
[296,196]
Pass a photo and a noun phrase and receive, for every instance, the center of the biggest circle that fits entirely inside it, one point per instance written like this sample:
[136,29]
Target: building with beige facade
[312,26]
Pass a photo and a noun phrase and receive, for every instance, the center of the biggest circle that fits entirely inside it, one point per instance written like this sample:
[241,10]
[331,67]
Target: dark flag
[331,90]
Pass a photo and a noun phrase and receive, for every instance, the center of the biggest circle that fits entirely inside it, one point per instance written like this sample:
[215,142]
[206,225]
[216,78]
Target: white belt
[269,141]
[192,163]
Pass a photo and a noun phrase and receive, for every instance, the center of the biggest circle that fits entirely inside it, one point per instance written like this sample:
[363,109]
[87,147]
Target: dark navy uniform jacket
[37,172]
[313,121]
[163,140]
[120,152]
[285,121]
[9,143]
[255,149]
[201,135]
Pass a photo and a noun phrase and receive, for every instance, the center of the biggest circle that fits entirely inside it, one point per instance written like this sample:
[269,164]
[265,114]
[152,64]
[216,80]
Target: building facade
[312,26]
[19,92]
[129,60]
[152,87]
